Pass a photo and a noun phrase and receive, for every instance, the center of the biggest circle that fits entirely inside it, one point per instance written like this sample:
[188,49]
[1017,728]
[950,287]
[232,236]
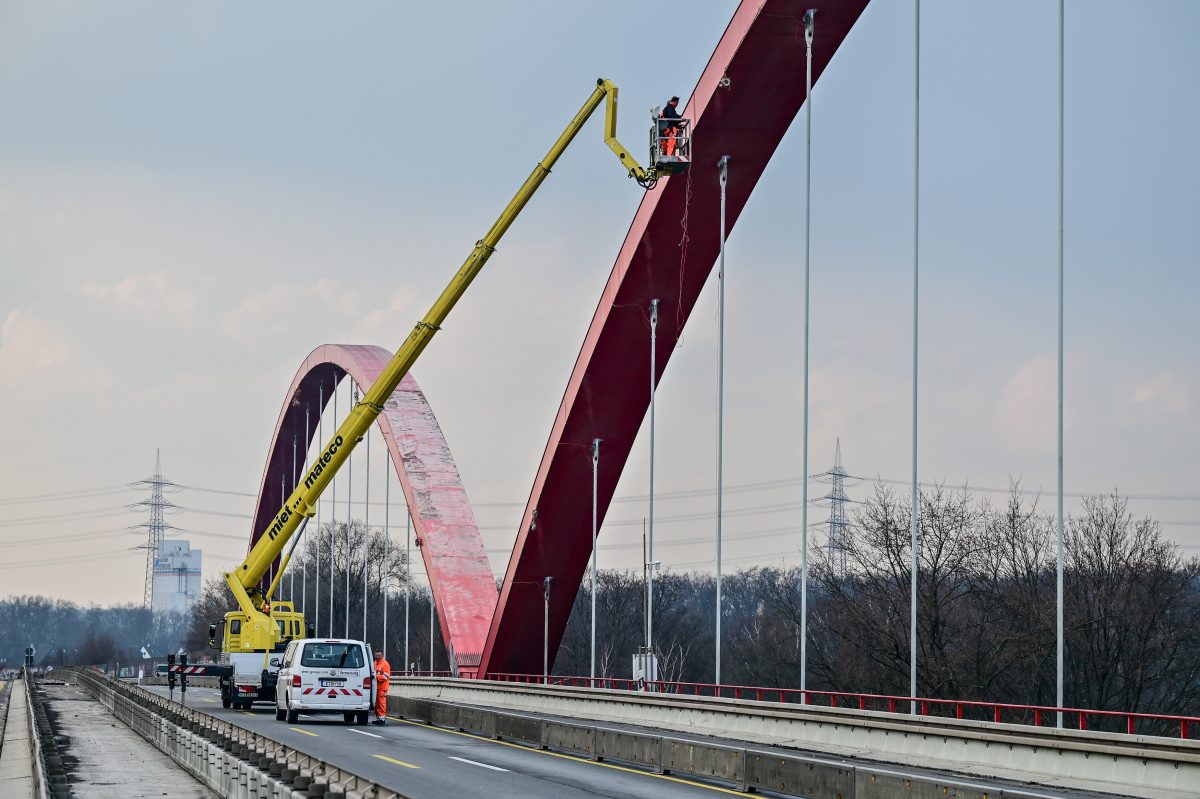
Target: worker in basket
[668,126]
[383,678]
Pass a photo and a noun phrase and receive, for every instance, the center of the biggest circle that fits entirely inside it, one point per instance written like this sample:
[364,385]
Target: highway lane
[424,761]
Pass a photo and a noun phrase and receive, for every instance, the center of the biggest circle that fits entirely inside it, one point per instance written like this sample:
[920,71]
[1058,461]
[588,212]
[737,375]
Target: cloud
[1166,394]
[30,347]
[277,309]
[379,320]
[1027,401]
[154,295]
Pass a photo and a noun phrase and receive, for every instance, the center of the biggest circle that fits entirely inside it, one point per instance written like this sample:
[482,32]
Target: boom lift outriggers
[259,628]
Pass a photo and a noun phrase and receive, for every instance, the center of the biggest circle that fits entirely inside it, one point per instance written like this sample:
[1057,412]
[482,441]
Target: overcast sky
[193,196]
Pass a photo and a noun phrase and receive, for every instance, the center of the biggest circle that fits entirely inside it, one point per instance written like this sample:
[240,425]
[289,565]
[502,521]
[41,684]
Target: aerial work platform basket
[670,144]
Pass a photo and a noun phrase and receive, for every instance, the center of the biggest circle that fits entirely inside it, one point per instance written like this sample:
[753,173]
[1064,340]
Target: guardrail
[5,702]
[48,776]
[230,760]
[994,712]
[1084,760]
[193,682]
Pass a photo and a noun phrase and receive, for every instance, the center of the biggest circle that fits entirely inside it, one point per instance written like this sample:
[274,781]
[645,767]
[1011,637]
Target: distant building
[176,577]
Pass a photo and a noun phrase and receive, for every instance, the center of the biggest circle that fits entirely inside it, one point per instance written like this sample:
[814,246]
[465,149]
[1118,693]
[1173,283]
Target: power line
[63,496]
[1031,492]
[88,536]
[219,491]
[220,513]
[67,559]
[57,518]
[788,482]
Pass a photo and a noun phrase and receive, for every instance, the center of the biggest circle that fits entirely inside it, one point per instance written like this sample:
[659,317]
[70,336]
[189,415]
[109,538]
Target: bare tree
[1133,634]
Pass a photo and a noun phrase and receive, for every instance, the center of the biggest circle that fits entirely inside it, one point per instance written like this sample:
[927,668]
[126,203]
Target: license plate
[332,683]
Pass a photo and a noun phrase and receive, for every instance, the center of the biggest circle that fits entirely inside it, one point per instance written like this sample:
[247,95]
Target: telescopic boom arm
[245,580]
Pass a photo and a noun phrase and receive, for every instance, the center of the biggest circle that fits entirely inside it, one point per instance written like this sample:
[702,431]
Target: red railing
[425,674]
[995,712]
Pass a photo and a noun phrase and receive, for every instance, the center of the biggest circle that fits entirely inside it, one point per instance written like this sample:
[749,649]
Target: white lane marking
[474,763]
[361,732]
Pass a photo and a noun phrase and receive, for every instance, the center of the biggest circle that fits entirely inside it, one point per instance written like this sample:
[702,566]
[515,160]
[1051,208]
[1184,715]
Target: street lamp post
[723,166]
[595,474]
[650,534]
[546,631]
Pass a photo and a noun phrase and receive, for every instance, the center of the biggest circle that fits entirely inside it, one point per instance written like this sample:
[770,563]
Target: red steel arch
[744,102]
[443,521]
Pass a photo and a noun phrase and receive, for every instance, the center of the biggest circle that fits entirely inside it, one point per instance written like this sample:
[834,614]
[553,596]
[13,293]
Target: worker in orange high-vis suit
[668,126]
[383,678]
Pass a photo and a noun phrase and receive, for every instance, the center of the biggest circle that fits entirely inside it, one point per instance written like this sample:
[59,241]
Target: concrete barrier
[724,763]
[477,720]
[443,714]
[629,747]
[1136,766]
[798,775]
[566,737]
[518,728]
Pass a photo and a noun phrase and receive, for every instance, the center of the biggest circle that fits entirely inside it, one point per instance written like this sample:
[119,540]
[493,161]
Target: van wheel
[348,718]
[280,714]
[226,699]
[362,718]
[292,716]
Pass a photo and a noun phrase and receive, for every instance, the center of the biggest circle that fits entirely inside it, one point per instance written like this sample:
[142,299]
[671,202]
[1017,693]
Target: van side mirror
[275,662]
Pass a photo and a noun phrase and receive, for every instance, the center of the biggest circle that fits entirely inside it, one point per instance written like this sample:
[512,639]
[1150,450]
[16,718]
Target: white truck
[246,675]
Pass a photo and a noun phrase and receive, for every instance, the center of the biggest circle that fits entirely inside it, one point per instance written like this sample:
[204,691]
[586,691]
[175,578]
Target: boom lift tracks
[255,631]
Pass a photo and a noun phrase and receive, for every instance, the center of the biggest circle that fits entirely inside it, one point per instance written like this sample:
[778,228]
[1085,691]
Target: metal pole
[546,629]
[367,540]
[333,521]
[304,579]
[914,542]
[283,493]
[349,522]
[292,572]
[1061,544]
[407,577]
[645,589]
[317,569]
[595,474]
[809,26]
[432,621]
[386,577]
[723,167]
[650,535]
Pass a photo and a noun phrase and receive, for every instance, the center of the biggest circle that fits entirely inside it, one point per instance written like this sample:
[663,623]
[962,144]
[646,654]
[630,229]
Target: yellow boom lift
[259,627]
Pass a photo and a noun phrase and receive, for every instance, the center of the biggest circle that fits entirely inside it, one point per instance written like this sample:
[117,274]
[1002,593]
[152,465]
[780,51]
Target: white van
[325,675]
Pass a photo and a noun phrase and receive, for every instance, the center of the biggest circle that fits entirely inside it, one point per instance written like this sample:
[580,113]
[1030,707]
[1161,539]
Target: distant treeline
[986,611]
[64,633]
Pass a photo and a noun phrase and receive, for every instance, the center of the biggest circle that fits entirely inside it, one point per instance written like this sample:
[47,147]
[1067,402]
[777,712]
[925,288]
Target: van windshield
[332,656]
